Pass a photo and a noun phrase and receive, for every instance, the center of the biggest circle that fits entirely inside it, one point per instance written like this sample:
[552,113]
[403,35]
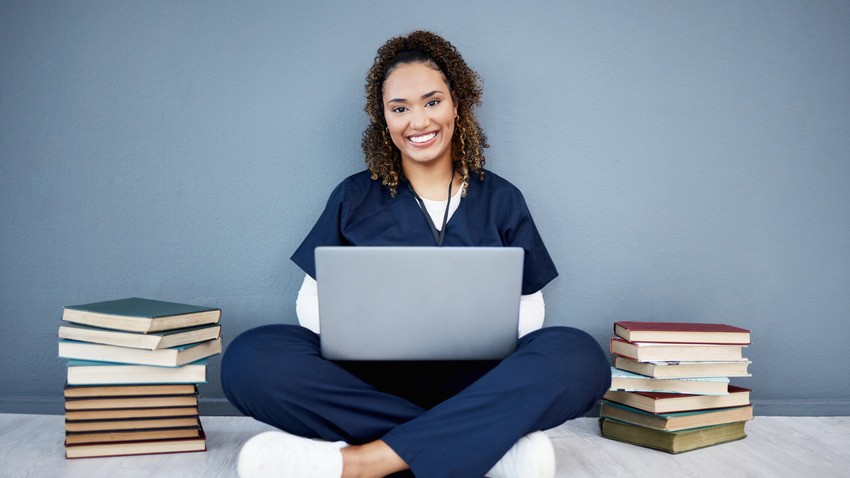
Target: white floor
[32,446]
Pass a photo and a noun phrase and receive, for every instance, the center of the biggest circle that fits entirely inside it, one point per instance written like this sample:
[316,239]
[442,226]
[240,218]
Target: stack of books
[133,369]
[670,386]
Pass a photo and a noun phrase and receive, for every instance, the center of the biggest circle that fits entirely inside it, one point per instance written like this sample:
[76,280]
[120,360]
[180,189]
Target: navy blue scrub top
[361,212]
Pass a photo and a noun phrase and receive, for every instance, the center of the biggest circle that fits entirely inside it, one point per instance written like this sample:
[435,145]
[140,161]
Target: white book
[82,372]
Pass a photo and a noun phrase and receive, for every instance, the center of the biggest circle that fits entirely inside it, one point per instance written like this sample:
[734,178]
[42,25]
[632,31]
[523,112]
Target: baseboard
[32,405]
[801,408]
[221,407]
[217,407]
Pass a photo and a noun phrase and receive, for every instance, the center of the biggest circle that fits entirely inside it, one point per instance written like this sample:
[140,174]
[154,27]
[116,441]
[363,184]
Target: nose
[420,119]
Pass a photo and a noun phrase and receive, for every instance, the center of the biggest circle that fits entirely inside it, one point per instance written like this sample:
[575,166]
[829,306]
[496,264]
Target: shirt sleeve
[307,304]
[538,267]
[326,232]
[532,311]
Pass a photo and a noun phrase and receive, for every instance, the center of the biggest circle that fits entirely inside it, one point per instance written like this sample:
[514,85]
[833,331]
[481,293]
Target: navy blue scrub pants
[445,419]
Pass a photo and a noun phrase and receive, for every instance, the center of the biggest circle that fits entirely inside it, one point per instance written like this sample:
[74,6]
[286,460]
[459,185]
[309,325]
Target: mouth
[422,139]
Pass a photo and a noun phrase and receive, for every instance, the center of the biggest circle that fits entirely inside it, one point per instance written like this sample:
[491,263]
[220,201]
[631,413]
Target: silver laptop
[418,303]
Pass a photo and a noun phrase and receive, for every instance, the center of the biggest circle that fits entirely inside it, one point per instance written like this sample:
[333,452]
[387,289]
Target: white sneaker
[531,457]
[282,454]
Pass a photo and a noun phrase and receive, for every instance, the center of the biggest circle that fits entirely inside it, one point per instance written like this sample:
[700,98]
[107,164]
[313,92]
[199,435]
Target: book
[655,402]
[173,357]
[77,391]
[672,441]
[623,380]
[127,413]
[682,332]
[133,424]
[676,420]
[737,368]
[656,351]
[74,438]
[160,401]
[150,341]
[101,373]
[136,447]
[140,315]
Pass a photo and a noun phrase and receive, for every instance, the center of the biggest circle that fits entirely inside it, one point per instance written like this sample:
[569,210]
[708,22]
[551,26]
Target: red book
[682,332]
[656,402]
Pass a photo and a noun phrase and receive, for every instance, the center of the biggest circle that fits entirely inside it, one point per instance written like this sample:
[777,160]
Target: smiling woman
[420,114]
[455,87]
[438,419]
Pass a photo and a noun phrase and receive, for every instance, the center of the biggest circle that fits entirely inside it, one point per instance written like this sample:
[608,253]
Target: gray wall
[684,161]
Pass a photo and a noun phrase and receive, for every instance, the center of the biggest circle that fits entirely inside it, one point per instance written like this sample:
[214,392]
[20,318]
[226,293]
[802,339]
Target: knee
[578,357]
[259,354]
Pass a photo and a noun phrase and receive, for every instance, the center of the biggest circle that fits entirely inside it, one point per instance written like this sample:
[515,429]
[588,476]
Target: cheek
[449,120]
[451,127]
[395,134]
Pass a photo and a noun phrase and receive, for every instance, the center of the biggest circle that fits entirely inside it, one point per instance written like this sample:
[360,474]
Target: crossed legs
[425,416]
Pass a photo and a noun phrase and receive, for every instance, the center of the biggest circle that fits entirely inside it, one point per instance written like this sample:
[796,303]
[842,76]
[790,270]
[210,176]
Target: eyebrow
[424,97]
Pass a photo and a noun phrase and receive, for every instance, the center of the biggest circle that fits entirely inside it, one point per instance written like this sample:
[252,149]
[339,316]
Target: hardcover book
[173,357]
[137,424]
[623,380]
[672,442]
[677,420]
[72,391]
[159,401]
[150,341]
[141,315]
[655,351]
[102,373]
[681,332]
[123,436]
[137,447]
[128,413]
[676,402]
[737,368]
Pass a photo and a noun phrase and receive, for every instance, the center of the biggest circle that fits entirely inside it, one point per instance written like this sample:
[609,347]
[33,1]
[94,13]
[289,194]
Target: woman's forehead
[414,79]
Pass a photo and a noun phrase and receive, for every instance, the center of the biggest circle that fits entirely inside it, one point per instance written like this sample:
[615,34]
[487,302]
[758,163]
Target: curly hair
[469,141]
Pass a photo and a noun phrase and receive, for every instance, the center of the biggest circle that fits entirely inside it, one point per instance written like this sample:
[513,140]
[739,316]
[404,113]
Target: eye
[432,103]
[399,109]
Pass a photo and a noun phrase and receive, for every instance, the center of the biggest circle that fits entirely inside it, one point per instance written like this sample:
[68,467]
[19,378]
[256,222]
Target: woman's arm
[307,304]
[531,308]
[531,312]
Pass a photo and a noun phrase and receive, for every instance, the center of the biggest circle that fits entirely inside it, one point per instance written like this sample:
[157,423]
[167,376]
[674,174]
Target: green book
[677,420]
[141,315]
[671,441]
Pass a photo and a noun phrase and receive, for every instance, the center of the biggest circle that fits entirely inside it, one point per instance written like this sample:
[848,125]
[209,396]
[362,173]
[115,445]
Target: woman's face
[420,114]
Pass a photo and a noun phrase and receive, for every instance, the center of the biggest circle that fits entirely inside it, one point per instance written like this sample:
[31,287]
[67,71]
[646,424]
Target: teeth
[422,139]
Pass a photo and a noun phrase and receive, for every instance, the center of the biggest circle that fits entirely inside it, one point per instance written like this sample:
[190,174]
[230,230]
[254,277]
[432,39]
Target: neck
[431,181]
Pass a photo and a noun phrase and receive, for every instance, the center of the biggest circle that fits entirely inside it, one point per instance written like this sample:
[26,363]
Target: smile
[422,139]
